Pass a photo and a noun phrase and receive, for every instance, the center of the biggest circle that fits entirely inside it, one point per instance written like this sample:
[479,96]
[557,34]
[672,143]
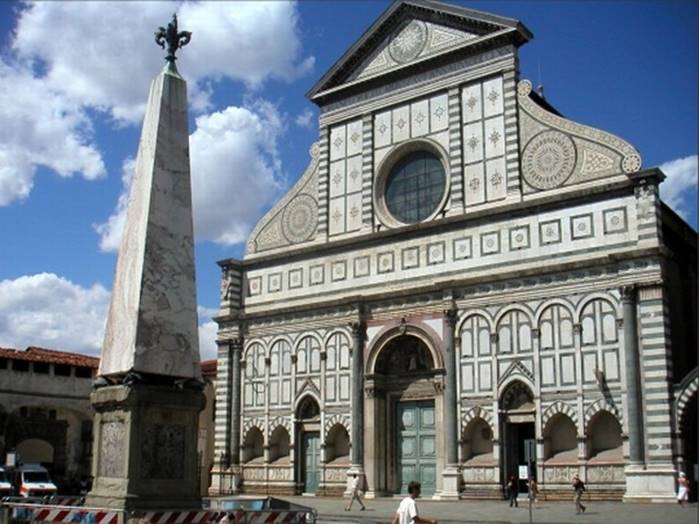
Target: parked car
[5,484]
[33,480]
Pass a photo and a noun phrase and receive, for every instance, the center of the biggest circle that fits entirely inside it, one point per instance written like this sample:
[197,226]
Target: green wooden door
[311,459]
[416,446]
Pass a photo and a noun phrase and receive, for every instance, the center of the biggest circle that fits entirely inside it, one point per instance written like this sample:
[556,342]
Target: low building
[46,415]
[45,410]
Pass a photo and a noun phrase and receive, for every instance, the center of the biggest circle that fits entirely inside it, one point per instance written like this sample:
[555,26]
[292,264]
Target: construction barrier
[19,513]
[245,511]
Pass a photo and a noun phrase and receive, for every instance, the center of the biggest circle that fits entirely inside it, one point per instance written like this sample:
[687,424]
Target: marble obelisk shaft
[146,414]
[152,322]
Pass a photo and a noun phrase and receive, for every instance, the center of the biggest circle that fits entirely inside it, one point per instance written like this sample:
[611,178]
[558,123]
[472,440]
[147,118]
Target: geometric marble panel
[494,137]
[410,257]
[581,226]
[338,141]
[354,138]
[474,190]
[519,237]
[420,118]
[615,220]
[492,94]
[439,117]
[550,232]
[490,243]
[338,270]
[354,174]
[382,129]
[462,248]
[435,253]
[295,278]
[361,266]
[317,275]
[385,262]
[401,124]
[337,178]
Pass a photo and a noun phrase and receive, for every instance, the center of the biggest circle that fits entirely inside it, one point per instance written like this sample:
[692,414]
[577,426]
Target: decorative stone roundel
[300,218]
[409,42]
[631,163]
[548,160]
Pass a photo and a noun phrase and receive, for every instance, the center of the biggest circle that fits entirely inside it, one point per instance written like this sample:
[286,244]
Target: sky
[74,80]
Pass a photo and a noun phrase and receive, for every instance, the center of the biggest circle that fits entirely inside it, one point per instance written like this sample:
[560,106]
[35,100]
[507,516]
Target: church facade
[462,281]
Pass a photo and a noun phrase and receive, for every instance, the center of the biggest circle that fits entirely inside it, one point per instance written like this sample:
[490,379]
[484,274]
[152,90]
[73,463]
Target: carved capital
[294,358]
[268,361]
[451,316]
[619,323]
[236,345]
[493,338]
[628,294]
[536,332]
[577,329]
[323,355]
[358,329]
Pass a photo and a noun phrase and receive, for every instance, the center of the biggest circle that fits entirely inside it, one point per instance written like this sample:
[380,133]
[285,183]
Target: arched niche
[477,443]
[403,355]
[279,444]
[337,446]
[253,446]
[604,438]
[560,439]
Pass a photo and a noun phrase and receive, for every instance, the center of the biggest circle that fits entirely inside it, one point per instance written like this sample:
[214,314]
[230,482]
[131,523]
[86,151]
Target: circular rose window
[415,187]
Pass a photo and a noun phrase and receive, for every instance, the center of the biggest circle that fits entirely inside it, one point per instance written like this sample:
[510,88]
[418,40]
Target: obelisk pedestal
[149,391]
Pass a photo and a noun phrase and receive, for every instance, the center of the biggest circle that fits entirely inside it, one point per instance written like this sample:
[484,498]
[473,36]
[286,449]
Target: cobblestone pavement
[331,510]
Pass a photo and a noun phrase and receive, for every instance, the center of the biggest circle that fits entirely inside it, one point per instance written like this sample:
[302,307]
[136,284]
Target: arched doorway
[402,412]
[308,444]
[517,412]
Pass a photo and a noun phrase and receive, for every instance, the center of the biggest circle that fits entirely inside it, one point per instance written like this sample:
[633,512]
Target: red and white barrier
[62,514]
[224,517]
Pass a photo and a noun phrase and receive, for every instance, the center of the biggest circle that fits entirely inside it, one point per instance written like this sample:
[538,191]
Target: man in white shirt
[407,510]
[356,493]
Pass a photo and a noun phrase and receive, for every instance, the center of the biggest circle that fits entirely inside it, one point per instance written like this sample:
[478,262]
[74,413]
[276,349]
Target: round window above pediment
[412,184]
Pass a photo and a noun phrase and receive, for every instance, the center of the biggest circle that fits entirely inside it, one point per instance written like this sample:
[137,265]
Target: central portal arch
[517,416]
[403,414]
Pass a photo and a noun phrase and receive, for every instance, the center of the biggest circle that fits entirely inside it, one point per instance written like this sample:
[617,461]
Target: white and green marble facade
[548,240]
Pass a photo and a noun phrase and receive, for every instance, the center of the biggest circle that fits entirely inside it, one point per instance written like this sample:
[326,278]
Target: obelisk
[148,393]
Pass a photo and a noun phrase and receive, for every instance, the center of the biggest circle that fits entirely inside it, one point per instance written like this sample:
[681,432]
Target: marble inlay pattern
[556,152]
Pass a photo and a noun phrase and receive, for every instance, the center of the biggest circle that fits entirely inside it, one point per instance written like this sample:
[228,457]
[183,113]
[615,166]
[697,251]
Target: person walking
[579,488]
[534,491]
[407,509]
[513,490]
[356,494]
[682,489]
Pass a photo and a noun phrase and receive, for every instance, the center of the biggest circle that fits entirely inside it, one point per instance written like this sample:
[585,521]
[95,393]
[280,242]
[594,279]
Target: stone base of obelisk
[145,448]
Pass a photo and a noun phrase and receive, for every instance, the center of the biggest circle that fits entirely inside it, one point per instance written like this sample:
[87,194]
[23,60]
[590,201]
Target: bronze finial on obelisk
[174,38]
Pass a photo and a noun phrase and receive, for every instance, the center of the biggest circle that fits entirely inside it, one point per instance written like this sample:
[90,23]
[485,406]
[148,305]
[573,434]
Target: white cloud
[305,119]
[70,61]
[93,61]
[680,186]
[40,128]
[110,231]
[207,333]
[233,155]
[49,311]
[53,312]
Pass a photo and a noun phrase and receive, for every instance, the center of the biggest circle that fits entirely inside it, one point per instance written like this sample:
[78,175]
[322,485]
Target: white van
[33,480]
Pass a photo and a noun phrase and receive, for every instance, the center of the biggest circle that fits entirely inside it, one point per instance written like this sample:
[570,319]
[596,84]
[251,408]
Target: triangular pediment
[410,32]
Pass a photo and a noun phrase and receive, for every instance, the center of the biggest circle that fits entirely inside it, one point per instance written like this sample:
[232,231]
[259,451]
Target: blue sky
[74,77]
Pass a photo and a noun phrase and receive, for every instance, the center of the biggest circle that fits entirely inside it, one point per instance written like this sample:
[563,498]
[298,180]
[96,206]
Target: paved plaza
[381,511]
